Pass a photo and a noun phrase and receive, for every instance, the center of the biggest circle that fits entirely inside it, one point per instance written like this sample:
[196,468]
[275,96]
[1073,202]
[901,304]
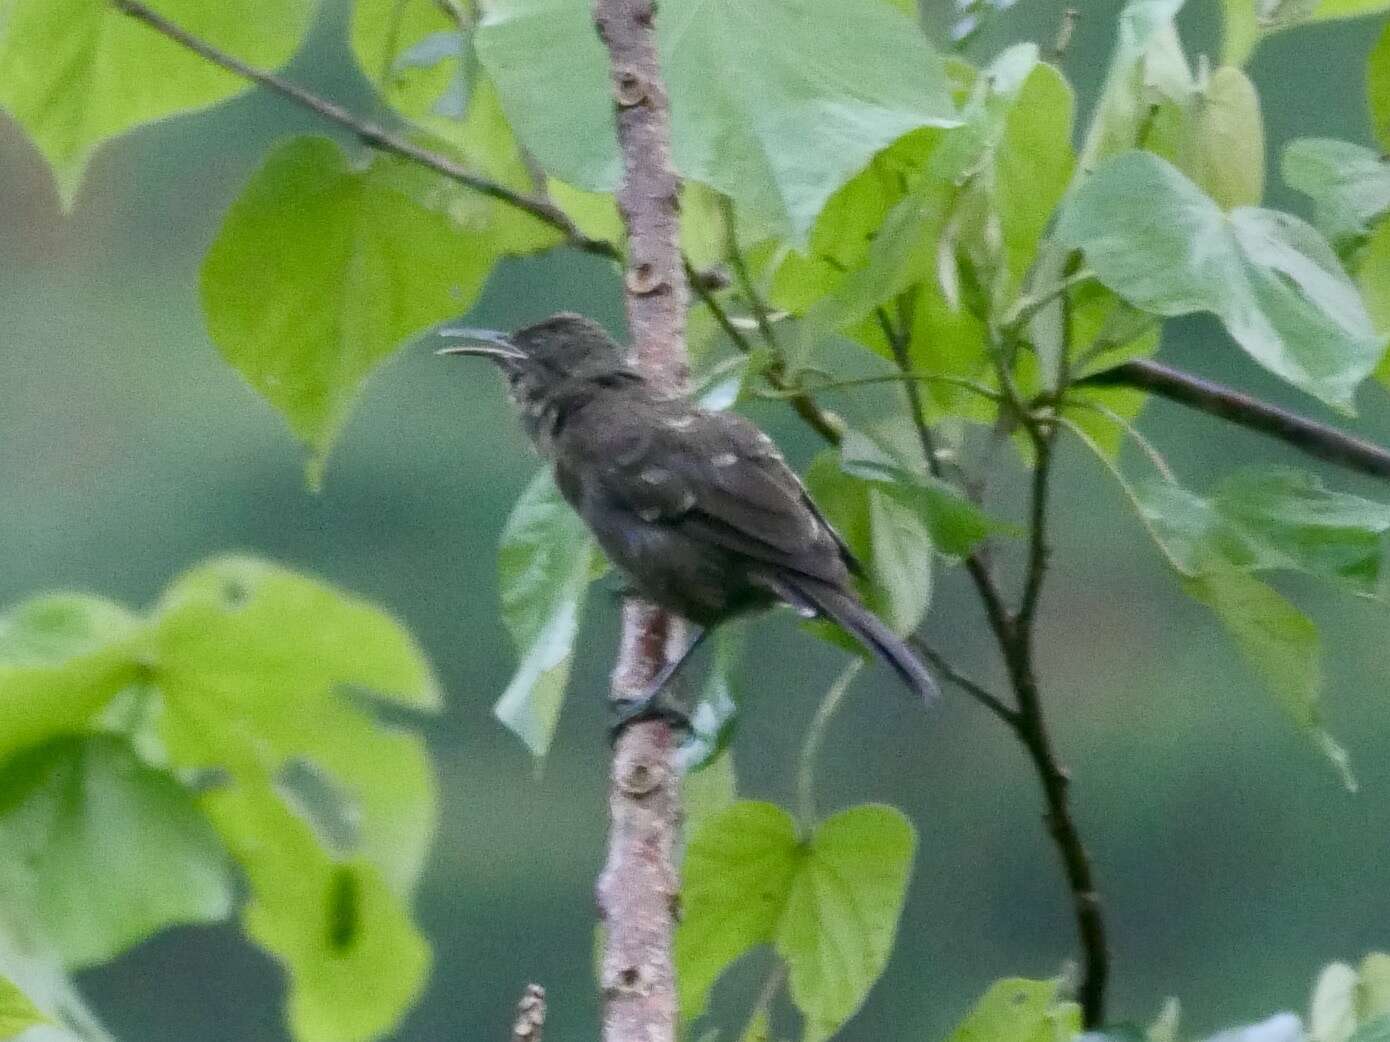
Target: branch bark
[1305,435]
[639,888]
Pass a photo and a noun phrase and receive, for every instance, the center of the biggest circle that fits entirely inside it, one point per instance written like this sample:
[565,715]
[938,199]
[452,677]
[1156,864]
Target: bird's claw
[655,705]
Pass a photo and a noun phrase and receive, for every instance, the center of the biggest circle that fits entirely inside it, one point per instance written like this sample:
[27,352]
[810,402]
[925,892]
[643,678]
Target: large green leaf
[779,105]
[109,850]
[17,1011]
[1272,280]
[1349,185]
[544,565]
[1278,642]
[828,903]
[62,658]
[776,106]
[328,813]
[322,269]
[1019,1010]
[356,961]
[1275,518]
[76,73]
[889,537]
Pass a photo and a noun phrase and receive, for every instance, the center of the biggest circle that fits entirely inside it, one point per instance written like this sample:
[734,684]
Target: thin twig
[971,687]
[776,977]
[529,1025]
[373,135]
[639,889]
[825,423]
[1148,448]
[1305,435]
[972,386]
[815,735]
[1036,568]
[750,292]
[1014,634]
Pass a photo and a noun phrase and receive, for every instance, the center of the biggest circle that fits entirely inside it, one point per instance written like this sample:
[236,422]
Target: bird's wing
[723,480]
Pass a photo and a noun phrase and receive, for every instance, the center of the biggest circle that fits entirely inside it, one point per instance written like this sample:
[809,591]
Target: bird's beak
[487,343]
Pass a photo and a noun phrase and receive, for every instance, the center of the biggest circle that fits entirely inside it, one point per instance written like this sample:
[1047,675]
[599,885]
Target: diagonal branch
[638,891]
[371,134]
[1305,435]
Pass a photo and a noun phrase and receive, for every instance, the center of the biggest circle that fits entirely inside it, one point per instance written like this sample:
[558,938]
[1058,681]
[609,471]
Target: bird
[697,509]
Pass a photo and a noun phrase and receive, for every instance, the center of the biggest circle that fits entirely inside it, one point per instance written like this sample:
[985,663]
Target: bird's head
[552,367]
[559,350]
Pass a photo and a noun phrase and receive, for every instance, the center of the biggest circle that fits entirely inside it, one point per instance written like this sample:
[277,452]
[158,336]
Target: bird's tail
[847,611]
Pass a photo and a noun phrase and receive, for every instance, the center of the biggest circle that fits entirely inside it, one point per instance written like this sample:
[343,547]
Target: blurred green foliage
[1233,864]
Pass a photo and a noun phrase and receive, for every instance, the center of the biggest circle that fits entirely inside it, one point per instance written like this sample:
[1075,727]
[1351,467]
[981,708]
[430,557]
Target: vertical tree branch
[1013,632]
[639,889]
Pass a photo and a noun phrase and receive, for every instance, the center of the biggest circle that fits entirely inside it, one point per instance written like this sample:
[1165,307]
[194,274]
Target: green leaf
[1016,1010]
[384,32]
[836,929]
[544,566]
[1373,997]
[1378,88]
[1272,280]
[1147,69]
[425,66]
[1335,10]
[321,270]
[356,962]
[890,538]
[776,108]
[329,813]
[62,658]
[539,52]
[113,851]
[956,524]
[1349,185]
[1223,144]
[17,1013]
[829,904]
[708,790]
[1278,642]
[1274,518]
[76,73]
[1332,1017]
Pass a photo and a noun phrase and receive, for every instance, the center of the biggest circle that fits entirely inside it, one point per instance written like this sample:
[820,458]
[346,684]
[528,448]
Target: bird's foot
[654,705]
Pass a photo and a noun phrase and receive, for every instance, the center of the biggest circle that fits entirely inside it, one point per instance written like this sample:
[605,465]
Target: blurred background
[1233,863]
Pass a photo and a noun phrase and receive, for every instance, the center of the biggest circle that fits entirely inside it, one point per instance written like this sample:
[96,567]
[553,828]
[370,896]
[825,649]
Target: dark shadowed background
[1232,860]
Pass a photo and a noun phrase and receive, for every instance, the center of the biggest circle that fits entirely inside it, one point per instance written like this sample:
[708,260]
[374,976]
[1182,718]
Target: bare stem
[371,134]
[815,735]
[1243,410]
[1013,633]
[639,889]
[971,687]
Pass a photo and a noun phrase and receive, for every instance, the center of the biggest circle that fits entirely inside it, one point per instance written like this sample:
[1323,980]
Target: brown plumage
[697,508]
